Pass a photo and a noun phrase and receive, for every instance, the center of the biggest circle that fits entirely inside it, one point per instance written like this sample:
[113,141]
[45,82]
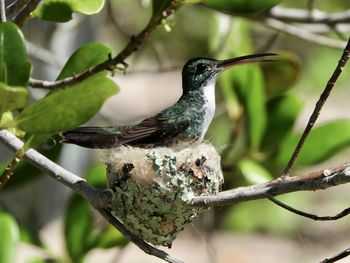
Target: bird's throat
[209,104]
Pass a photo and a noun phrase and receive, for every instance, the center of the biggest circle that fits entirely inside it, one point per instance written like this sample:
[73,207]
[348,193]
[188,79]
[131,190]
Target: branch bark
[310,182]
[2,11]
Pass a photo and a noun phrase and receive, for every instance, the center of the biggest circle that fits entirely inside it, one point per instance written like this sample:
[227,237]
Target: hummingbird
[185,122]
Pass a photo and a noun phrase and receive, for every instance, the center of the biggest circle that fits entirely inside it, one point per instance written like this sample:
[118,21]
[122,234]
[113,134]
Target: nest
[153,188]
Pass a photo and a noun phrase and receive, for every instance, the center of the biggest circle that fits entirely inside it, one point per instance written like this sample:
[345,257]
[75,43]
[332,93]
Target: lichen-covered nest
[153,188]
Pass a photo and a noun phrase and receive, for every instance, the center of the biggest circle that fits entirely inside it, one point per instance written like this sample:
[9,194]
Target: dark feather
[153,131]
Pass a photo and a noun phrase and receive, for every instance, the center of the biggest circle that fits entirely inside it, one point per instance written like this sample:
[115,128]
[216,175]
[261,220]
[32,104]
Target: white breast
[209,105]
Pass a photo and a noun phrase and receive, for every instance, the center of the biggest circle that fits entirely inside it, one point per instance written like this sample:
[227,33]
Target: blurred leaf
[37,260]
[282,74]
[85,57]
[28,236]
[62,10]
[247,82]
[3,166]
[282,113]
[241,6]
[44,260]
[264,216]
[158,6]
[6,120]
[65,109]
[233,107]
[253,172]
[78,228]
[12,97]
[9,238]
[323,142]
[214,33]
[36,139]
[97,176]
[15,67]
[110,237]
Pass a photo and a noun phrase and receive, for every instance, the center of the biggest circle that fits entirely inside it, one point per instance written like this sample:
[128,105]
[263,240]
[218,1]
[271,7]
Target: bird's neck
[203,96]
[200,104]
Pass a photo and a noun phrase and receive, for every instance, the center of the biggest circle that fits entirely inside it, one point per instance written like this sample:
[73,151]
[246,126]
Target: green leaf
[158,6]
[84,58]
[78,228]
[282,113]
[241,6]
[65,109]
[15,67]
[253,172]
[97,175]
[264,216]
[9,238]
[281,75]
[62,10]
[323,142]
[110,237]
[12,98]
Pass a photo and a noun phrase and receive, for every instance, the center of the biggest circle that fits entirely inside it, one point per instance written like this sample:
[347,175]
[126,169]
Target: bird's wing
[153,131]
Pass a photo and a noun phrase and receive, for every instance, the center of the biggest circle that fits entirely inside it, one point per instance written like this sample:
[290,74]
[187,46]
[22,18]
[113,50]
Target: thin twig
[301,32]
[26,11]
[130,48]
[303,16]
[342,214]
[15,7]
[2,11]
[147,248]
[337,257]
[321,101]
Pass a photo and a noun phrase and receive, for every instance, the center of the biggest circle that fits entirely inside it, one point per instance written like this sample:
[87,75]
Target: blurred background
[261,110]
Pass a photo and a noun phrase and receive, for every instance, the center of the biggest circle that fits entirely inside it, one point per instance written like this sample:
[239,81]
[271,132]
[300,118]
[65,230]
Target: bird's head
[198,72]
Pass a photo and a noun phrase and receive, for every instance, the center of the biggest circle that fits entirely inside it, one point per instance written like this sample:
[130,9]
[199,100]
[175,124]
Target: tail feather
[91,137]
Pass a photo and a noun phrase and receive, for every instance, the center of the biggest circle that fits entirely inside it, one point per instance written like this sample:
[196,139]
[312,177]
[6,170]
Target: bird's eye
[200,68]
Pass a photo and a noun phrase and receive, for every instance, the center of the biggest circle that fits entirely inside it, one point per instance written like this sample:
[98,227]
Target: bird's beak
[227,63]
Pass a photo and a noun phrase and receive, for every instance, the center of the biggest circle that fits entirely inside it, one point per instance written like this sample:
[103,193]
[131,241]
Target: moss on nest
[154,187]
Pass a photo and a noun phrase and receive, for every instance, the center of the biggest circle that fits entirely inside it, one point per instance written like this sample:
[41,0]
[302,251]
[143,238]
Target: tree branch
[310,182]
[131,47]
[98,198]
